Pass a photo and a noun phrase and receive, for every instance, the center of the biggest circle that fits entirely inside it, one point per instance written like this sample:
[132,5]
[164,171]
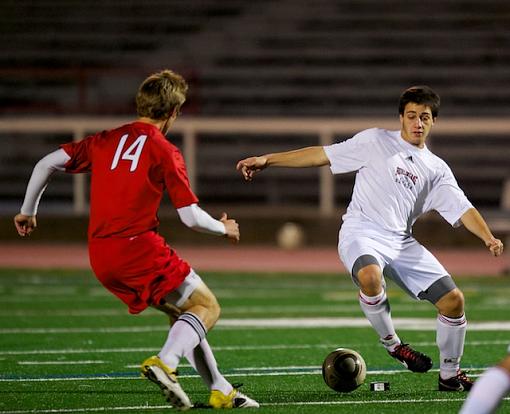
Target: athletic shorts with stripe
[409,264]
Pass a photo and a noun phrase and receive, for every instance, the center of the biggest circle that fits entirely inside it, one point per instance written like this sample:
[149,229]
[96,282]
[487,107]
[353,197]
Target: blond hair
[160,94]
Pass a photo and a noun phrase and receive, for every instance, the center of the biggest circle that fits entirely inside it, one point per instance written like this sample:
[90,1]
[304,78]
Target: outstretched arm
[199,220]
[304,157]
[26,222]
[475,223]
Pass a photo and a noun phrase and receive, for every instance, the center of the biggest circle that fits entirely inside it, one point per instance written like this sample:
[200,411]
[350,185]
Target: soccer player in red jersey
[131,167]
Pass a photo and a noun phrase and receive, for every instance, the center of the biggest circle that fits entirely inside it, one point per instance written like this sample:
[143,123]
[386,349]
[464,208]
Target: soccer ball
[290,236]
[344,370]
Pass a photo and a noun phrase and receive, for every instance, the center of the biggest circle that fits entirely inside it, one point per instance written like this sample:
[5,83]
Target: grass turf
[67,345]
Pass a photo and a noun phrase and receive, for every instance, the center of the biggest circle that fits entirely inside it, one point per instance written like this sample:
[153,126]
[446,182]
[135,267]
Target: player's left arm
[476,224]
[199,220]
[25,221]
[186,202]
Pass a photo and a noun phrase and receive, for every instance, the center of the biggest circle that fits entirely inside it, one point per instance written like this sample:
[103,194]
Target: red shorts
[139,270]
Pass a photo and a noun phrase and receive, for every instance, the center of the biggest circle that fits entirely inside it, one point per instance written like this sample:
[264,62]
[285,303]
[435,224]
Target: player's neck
[162,124]
[156,122]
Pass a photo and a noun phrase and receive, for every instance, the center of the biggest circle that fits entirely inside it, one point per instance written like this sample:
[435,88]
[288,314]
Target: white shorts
[403,259]
[180,295]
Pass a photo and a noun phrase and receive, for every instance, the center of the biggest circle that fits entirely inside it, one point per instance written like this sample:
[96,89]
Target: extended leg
[201,357]
[198,313]
[375,305]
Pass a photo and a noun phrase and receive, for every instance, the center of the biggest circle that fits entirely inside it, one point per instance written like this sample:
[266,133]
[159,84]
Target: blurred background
[264,76]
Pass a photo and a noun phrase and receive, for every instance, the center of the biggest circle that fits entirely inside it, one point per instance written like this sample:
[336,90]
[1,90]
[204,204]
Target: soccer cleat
[413,360]
[460,382]
[156,371]
[236,399]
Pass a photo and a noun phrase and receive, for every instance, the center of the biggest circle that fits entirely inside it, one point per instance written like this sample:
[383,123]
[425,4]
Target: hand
[249,166]
[25,224]
[495,246]
[231,227]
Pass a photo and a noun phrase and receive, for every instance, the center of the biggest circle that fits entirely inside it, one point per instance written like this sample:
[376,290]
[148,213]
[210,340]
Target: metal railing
[324,129]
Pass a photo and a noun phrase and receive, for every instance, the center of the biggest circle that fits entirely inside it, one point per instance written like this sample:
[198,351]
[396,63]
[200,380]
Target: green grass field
[68,346]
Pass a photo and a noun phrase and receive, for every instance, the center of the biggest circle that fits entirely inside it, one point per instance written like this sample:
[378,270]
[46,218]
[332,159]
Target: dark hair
[422,95]
[160,94]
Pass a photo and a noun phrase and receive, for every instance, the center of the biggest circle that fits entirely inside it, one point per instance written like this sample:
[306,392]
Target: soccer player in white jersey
[398,179]
[489,390]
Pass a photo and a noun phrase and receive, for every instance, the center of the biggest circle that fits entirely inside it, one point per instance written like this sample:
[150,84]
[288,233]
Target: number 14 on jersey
[131,154]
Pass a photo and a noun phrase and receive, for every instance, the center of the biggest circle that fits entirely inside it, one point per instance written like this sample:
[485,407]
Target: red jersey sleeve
[176,180]
[81,159]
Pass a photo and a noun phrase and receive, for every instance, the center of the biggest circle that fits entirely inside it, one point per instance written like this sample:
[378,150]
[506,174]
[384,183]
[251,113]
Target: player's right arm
[304,157]
[25,221]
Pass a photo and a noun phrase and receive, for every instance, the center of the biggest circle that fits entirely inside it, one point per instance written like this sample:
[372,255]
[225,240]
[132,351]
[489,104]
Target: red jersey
[131,167]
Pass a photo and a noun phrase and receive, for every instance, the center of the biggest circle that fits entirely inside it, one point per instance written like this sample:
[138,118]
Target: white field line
[41,291]
[41,299]
[399,401]
[118,329]
[250,372]
[88,362]
[418,324]
[103,378]
[293,403]
[71,351]
[230,312]
[235,310]
[137,366]
[69,312]
[281,370]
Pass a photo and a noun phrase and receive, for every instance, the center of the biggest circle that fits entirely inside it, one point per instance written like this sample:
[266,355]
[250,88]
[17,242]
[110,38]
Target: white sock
[450,341]
[202,359]
[377,310]
[487,392]
[185,334]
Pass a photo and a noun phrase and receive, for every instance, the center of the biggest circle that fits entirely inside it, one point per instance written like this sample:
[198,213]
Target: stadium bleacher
[284,57]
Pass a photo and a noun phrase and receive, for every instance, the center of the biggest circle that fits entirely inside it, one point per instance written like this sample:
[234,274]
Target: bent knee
[369,279]
[451,304]
[456,298]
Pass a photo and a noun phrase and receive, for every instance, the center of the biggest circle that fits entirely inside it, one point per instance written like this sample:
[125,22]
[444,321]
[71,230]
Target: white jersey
[396,182]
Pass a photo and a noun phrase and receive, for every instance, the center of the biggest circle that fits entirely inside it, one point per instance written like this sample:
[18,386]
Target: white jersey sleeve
[55,161]
[199,220]
[447,198]
[349,155]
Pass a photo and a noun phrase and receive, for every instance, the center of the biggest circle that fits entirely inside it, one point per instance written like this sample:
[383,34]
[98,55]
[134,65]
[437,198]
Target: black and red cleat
[413,360]
[460,382]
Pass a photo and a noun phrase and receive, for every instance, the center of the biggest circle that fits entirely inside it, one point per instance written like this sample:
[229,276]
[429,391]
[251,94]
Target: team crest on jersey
[405,178]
